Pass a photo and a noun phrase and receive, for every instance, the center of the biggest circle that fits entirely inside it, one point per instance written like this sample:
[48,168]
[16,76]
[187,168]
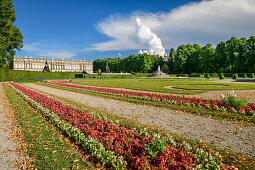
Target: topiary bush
[244,76]
[207,76]
[221,76]
[234,76]
[252,75]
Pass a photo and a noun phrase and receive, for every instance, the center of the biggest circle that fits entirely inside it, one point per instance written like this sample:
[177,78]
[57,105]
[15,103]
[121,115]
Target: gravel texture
[217,132]
[215,94]
[8,156]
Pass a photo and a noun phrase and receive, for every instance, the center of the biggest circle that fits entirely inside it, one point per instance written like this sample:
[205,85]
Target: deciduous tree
[10,36]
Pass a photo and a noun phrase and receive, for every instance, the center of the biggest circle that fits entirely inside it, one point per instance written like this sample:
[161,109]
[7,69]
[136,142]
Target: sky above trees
[89,30]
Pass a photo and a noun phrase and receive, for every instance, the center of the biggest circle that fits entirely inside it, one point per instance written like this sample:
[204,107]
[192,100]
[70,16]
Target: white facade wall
[35,64]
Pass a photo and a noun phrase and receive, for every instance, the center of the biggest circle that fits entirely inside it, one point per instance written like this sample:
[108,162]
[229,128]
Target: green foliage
[16,75]
[252,75]
[234,76]
[155,147]
[142,63]
[207,76]
[10,36]
[232,101]
[244,76]
[194,75]
[221,76]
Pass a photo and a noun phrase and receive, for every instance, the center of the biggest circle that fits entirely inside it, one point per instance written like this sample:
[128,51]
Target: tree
[180,59]
[250,43]
[220,58]
[171,60]
[10,36]
[241,51]
[206,58]
[231,47]
[192,58]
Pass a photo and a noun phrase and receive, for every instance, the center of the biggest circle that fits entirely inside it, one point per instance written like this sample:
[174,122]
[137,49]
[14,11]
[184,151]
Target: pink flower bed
[198,102]
[123,142]
[65,81]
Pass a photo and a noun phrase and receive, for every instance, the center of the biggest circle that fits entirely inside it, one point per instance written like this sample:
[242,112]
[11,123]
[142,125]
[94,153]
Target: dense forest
[234,55]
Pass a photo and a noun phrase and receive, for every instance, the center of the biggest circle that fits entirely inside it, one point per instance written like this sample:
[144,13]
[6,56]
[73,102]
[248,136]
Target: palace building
[54,65]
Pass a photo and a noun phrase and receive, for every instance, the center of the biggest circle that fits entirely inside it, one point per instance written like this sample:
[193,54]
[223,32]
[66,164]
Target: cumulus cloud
[198,22]
[37,50]
[149,39]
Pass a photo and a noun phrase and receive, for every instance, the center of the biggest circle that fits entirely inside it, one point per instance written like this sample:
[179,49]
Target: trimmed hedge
[15,75]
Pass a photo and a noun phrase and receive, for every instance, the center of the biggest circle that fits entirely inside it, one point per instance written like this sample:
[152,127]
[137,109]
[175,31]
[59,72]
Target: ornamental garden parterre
[225,104]
[119,147]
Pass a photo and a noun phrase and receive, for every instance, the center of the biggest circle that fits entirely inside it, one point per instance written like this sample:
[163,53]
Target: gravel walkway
[221,133]
[8,156]
[215,94]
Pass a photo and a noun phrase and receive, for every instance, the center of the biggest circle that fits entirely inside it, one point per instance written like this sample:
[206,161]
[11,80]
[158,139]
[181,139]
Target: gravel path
[221,133]
[7,145]
[215,94]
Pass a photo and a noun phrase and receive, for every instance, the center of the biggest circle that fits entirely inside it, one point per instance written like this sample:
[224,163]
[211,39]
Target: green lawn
[181,86]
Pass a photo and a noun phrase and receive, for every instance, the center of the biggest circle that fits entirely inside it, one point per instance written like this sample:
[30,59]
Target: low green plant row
[18,75]
[234,76]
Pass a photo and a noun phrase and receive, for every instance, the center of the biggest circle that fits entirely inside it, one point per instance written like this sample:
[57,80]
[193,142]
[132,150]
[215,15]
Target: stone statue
[107,69]
[159,74]
[46,67]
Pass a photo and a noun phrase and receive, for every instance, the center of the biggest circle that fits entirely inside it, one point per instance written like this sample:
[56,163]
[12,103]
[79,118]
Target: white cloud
[202,22]
[38,50]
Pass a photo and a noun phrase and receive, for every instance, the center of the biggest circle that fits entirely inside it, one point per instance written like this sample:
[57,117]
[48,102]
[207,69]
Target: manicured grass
[191,86]
[229,157]
[243,119]
[48,148]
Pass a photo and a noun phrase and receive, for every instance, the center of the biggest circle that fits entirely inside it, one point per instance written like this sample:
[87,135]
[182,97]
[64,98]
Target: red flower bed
[163,98]
[123,142]
[65,81]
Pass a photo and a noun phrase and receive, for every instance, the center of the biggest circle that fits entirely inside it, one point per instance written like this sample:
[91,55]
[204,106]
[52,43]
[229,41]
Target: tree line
[234,55]
[10,36]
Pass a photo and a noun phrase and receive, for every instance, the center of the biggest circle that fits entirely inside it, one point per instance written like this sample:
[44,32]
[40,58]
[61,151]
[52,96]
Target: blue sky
[84,29]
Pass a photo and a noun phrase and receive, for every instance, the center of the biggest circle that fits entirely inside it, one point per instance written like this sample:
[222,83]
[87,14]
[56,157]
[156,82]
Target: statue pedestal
[159,74]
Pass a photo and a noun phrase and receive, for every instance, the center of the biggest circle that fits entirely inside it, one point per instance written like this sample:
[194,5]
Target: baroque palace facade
[38,64]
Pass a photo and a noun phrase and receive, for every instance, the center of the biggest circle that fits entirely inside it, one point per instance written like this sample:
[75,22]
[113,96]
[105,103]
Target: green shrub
[17,75]
[181,75]
[252,75]
[232,101]
[234,76]
[221,76]
[244,76]
[194,75]
[207,76]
